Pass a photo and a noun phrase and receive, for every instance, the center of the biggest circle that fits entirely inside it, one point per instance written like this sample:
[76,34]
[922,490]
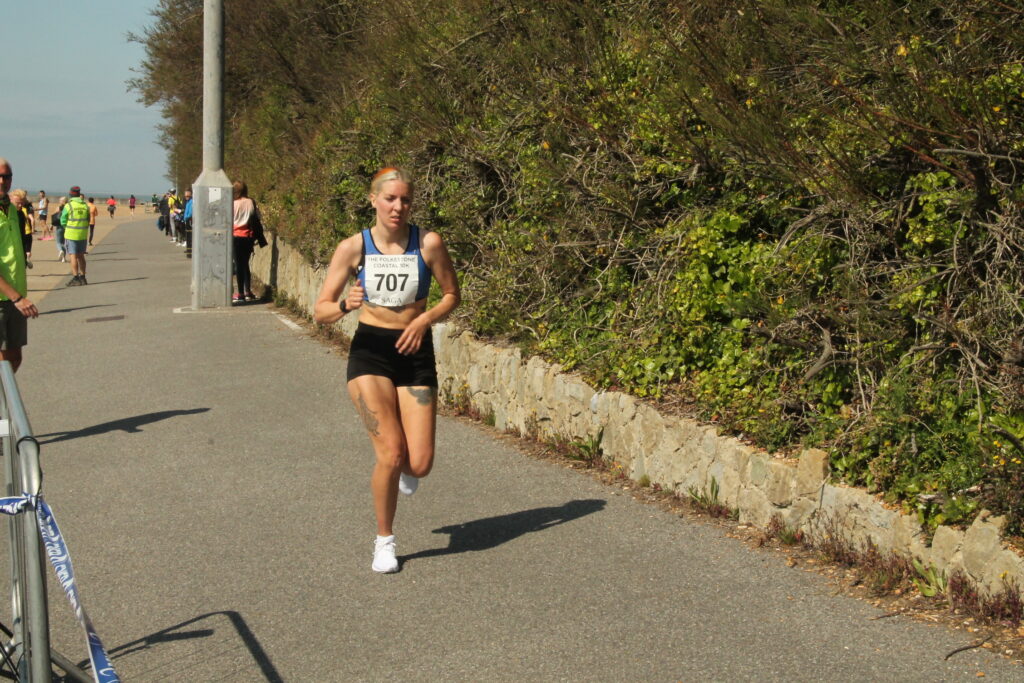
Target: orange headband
[386,169]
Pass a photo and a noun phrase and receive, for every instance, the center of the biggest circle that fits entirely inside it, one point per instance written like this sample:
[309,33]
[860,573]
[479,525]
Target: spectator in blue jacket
[186,220]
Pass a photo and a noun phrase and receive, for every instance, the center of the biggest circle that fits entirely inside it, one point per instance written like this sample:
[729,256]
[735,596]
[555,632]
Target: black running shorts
[14,327]
[373,352]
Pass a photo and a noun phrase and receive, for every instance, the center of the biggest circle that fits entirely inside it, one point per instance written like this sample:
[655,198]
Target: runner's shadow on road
[131,425]
[483,534]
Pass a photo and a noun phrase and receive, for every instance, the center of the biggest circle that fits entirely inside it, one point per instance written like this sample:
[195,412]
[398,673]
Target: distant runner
[43,210]
[93,213]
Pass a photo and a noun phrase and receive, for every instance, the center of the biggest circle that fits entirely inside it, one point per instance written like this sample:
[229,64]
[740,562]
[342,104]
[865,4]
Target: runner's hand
[27,308]
[412,336]
[354,298]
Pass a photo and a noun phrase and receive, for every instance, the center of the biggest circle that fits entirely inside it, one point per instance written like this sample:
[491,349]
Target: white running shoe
[384,560]
[408,484]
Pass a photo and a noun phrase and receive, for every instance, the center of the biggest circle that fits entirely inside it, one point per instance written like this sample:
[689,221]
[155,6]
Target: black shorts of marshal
[373,352]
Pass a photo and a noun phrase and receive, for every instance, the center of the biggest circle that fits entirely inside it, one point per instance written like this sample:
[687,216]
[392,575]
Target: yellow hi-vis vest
[12,257]
[77,226]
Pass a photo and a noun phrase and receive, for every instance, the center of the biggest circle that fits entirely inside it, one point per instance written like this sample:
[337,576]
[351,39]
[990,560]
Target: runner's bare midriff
[392,318]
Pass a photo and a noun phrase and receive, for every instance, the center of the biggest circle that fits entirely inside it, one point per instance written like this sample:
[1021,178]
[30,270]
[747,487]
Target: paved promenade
[212,481]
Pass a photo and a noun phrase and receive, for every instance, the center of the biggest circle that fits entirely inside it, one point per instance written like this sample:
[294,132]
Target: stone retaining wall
[533,397]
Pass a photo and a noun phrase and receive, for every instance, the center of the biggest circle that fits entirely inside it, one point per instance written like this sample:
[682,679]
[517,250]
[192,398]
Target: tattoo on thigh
[369,417]
[423,395]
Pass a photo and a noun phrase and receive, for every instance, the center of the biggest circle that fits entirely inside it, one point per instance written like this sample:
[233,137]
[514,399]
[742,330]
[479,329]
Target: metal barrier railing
[28,651]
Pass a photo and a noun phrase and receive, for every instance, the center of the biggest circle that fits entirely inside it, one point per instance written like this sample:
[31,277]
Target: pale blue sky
[67,117]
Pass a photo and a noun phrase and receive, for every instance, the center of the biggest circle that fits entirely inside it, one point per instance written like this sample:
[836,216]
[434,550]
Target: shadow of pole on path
[171,634]
[108,282]
[482,534]
[70,310]
[130,425]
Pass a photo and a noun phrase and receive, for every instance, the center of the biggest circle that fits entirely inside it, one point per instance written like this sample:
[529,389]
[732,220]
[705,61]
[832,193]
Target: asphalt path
[212,481]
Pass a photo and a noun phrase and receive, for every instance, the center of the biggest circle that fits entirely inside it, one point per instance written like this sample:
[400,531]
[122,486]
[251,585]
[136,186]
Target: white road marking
[290,323]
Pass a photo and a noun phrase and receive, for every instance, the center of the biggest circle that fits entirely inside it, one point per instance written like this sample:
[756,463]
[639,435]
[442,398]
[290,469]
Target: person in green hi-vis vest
[75,219]
[15,309]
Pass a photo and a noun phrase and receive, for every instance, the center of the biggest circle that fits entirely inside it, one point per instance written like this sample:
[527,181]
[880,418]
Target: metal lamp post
[211,192]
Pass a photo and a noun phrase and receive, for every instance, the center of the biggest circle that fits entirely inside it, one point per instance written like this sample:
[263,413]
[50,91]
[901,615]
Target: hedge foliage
[798,219]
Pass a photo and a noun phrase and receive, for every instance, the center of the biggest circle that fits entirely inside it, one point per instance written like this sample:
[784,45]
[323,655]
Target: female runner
[391,376]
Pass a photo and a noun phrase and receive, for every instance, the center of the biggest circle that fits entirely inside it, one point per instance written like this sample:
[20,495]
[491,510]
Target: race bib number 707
[391,280]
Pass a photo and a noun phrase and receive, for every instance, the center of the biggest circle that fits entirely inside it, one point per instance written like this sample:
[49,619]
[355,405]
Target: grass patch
[785,534]
[707,501]
[1003,607]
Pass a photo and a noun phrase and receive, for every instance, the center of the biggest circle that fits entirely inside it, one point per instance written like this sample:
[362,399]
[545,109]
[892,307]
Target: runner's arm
[341,269]
[436,256]
[24,306]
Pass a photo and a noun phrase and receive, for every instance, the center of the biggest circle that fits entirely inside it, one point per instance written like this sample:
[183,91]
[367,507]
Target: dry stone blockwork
[532,397]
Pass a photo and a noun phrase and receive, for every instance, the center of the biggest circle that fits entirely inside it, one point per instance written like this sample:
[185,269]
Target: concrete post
[211,193]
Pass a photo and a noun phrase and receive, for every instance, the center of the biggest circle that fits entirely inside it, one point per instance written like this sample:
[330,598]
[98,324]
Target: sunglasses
[6,176]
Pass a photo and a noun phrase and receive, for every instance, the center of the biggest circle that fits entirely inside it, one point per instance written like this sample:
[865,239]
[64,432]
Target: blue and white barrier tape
[60,559]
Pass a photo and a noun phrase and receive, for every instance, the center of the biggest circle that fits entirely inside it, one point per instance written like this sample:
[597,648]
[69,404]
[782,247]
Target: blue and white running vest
[394,280]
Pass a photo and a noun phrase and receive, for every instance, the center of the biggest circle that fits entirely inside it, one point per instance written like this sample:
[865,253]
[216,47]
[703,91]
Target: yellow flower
[902,50]
[997,108]
[545,145]
[749,103]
